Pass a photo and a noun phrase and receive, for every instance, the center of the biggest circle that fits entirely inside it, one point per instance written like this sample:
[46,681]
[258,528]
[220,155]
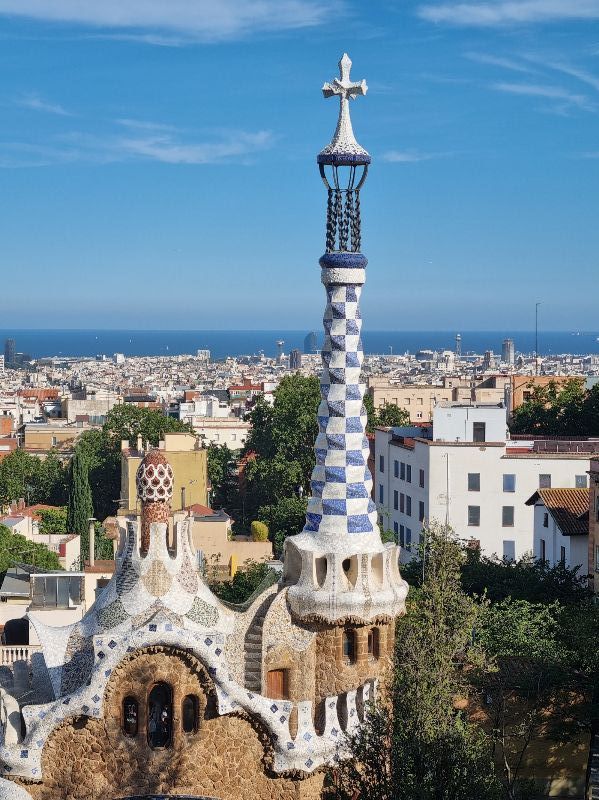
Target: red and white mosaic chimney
[154,481]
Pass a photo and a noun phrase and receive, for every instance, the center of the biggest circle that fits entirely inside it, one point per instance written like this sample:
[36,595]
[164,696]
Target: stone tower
[338,568]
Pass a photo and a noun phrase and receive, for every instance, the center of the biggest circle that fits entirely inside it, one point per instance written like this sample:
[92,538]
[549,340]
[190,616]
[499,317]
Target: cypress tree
[80,507]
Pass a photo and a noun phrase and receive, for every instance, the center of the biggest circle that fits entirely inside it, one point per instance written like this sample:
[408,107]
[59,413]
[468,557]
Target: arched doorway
[160,716]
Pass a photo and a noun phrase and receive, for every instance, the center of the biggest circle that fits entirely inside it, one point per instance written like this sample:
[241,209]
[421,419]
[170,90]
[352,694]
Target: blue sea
[46,343]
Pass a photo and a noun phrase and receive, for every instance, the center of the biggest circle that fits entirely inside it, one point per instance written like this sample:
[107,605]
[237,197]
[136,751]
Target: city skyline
[191,163]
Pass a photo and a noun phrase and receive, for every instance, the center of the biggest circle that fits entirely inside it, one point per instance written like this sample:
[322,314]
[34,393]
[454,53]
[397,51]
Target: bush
[259,531]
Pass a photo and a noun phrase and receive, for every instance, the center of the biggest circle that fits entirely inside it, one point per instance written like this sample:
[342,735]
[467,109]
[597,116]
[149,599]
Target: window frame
[505,524]
[474,481]
[478,428]
[472,524]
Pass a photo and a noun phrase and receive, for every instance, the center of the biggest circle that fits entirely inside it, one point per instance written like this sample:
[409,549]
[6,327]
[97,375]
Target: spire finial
[344,149]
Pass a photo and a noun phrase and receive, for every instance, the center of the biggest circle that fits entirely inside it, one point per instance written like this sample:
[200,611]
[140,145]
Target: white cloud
[166,149]
[35,102]
[556,93]
[407,156]
[499,61]
[143,125]
[148,145]
[507,12]
[201,20]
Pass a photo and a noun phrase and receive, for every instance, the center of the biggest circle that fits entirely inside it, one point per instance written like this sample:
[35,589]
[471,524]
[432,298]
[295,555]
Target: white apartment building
[561,527]
[197,410]
[465,471]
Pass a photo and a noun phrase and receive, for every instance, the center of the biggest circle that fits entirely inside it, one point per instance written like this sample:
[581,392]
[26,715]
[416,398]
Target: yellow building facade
[190,466]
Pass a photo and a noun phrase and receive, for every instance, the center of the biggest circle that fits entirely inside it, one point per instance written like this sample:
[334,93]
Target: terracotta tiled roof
[568,507]
[200,510]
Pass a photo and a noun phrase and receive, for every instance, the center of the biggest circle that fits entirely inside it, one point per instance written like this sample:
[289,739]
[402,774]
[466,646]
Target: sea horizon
[92,342]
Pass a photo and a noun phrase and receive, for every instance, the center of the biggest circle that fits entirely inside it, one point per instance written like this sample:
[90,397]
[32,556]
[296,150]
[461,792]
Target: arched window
[130,716]
[160,716]
[349,646]
[374,647]
[190,713]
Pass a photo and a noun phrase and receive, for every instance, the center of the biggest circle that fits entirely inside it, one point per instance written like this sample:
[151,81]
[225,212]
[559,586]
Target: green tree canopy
[419,745]
[127,421]
[223,468]
[248,578]
[53,520]
[282,439]
[284,518]
[559,409]
[390,415]
[15,548]
[37,480]
[80,508]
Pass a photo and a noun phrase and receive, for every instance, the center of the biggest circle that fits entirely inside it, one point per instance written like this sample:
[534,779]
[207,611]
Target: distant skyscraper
[508,354]
[295,359]
[10,351]
[458,345]
[311,343]
[488,360]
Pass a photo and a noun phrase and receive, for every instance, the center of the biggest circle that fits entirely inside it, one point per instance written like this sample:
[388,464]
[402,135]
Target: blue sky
[157,160]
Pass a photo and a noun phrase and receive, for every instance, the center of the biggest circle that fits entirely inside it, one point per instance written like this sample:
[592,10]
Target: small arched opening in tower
[130,716]
[160,716]
[190,714]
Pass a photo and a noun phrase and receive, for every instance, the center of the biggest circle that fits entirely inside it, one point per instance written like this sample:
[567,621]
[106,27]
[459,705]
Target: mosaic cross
[342,86]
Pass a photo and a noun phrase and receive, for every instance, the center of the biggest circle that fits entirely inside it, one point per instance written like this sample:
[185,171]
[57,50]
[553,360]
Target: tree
[526,579]
[15,548]
[419,745]
[282,440]
[127,421]
[559,409]
[259,531]
[250,578]
[390,415]
[284,518]
[80,507]
[34,479]
[223,471]
[53,520]
[103,458]
[530,677]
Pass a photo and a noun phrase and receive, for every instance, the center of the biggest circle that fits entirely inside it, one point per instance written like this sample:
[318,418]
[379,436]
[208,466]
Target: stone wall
[227,758]
[334,674]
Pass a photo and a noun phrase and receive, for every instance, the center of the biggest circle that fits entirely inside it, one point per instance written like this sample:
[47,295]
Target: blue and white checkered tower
[338,568]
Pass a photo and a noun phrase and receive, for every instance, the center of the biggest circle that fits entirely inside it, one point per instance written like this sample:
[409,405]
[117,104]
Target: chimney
[139,443]
[92,541]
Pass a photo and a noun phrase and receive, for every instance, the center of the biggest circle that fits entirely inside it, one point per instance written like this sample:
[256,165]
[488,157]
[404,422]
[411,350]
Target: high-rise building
[488,360]
[311,343]
[508,355]
[10,351]
[295,359]
[458,345]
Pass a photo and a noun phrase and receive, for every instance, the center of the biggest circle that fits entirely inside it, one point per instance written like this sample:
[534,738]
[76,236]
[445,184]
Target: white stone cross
[344,87]
[344,139]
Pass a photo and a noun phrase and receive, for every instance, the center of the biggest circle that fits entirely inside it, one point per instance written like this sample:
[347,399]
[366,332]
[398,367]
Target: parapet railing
[17,652]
